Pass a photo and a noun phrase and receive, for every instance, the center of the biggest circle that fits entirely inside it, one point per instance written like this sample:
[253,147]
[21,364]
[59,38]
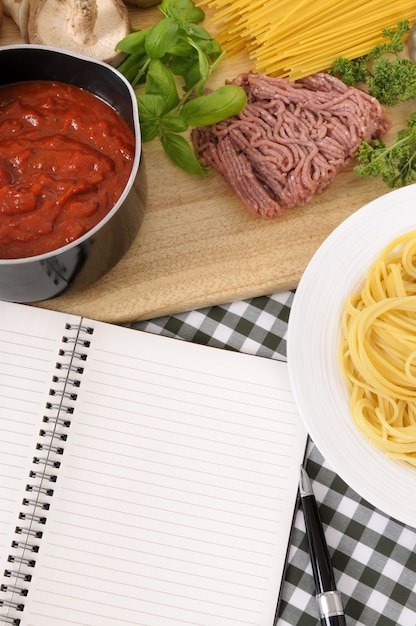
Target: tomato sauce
[65,159]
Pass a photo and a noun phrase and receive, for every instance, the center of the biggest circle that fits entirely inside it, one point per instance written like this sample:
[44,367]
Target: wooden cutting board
[198,245]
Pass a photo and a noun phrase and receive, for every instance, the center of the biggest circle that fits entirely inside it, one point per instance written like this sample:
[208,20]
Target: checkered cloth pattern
[374,556]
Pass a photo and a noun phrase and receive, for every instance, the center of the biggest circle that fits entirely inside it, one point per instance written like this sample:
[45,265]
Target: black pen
[331,612]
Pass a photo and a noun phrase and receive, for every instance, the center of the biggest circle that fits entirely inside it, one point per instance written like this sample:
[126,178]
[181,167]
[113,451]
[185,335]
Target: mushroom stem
[82,21]
[90,27]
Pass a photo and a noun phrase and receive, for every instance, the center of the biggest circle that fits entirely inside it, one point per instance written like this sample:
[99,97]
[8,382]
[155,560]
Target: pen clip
[305,487]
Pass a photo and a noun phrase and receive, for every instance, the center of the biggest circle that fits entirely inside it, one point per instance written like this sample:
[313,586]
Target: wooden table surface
[198,245]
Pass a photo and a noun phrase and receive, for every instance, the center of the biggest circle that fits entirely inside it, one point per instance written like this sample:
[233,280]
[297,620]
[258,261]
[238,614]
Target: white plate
[337,270]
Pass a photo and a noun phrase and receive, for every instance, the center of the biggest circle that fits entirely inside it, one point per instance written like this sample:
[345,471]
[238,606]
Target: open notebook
[143,480]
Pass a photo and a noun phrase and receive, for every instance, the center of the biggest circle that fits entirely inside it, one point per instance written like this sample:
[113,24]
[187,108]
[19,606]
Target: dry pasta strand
[295,38]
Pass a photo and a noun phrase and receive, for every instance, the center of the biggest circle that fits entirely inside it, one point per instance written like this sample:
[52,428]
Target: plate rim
[314,332]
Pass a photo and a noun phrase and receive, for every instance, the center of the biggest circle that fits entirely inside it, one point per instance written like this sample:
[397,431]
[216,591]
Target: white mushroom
[18,10]
[89,27]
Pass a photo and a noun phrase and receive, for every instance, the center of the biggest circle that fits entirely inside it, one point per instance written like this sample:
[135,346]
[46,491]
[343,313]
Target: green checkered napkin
[374,556]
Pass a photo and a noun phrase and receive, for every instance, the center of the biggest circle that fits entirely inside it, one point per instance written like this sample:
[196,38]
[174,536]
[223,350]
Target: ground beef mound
[290,140]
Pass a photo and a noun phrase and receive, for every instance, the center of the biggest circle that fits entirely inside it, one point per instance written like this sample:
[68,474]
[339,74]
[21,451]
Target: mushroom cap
[88,27]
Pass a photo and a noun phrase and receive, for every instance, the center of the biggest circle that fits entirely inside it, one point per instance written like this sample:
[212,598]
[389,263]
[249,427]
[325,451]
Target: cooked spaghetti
[378,351]
[295,38]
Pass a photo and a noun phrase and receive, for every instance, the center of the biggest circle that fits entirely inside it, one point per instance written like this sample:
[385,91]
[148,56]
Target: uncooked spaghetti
[378,351]
[295,38]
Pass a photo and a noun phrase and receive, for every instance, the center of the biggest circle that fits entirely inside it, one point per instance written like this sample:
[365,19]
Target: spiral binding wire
[40,489]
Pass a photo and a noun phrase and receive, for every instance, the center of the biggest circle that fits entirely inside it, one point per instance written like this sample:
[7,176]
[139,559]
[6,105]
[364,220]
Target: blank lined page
[29,344]
[176,493]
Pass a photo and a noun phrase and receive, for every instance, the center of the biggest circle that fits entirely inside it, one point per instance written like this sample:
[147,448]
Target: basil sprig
[169,65]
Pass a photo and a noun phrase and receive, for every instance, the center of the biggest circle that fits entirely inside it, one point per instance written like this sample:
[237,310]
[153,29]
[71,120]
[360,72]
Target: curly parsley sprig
[177,49]
[388,76]
[395,164]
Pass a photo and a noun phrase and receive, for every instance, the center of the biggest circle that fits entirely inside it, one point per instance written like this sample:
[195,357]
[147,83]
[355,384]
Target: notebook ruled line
[138,481]
[162,476]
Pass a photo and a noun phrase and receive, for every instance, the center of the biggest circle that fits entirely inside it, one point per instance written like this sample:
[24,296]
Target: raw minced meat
[291,139]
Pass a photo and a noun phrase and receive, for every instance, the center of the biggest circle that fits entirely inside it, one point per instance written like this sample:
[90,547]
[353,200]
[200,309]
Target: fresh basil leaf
[172,123]
[150,105]
[133,43]
[210,47]
[177,53]
[203,64]
[161,37]
[191,77]
[140,76]
[160,81]
[131,65]
[136,68]
[188,69]
[195,31]
[181,65]
[202,39]
[148,131]
[182,10]
[181,153]
[181,49]
[224,102]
